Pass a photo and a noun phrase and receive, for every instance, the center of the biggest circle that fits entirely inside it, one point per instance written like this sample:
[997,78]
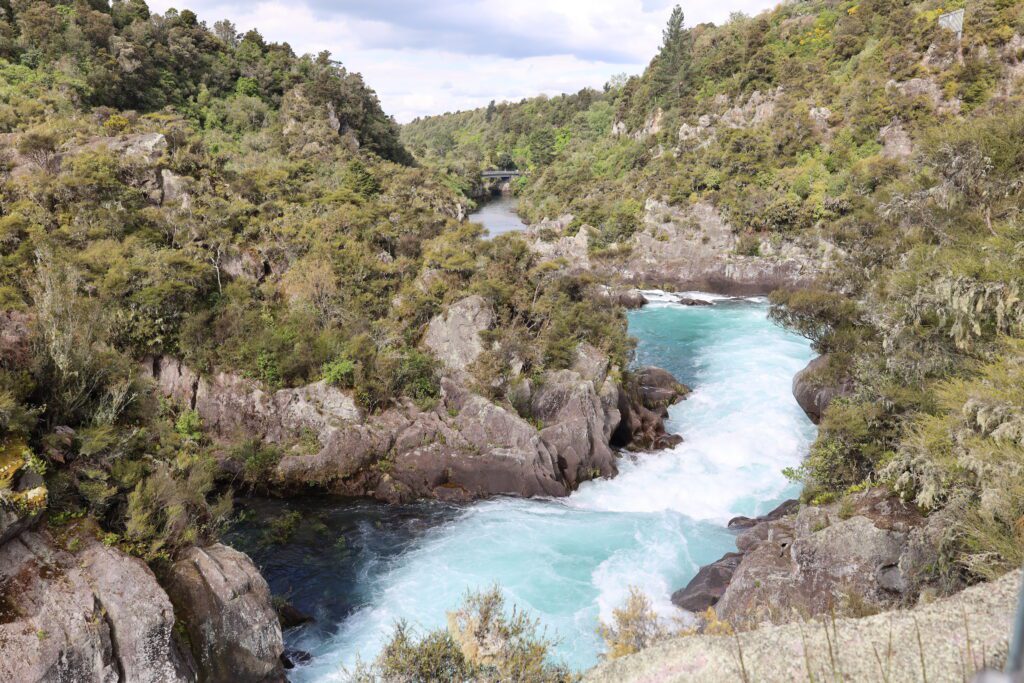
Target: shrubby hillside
[866,130]
[172,189]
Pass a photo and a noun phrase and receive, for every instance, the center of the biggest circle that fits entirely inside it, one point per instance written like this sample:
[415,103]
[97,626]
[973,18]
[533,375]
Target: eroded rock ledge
[465,447]
[864,554]
[689,248]
[950,637]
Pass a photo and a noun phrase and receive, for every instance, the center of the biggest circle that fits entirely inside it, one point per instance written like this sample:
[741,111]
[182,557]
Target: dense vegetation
[172,189]
[864,126]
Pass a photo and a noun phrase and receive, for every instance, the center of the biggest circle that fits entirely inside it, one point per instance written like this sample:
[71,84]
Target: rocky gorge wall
[688,248]
[462,448]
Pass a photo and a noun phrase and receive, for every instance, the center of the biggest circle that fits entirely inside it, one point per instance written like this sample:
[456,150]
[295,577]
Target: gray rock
[962,633]
[232,406]
[175,189]
[658,388]
[226,609]
[454,336]
[147,147]
[707,587]
[814,391]
[578,424]
[818,560]
[466,447]
[630,298]
[896,142]
[686,248]
[785,509]
[94,614]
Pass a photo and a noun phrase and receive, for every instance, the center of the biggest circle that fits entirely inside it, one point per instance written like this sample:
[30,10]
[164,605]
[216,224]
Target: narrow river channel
[359,567]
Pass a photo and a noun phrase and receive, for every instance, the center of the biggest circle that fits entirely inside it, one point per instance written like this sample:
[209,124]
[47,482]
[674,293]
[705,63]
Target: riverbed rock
[578,424]
[707,587]
[785,509]
[658,388]
[629,298]
[454,336]
[225,606]
[814,388]
[965,632]
[83,615]
[643,403]
[690,301]
[849,557]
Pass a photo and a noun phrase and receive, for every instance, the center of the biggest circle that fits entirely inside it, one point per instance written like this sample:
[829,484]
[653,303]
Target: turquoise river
[358,567]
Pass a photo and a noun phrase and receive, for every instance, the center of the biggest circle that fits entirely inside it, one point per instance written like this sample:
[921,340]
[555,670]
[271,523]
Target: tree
[226,31]
[671,72]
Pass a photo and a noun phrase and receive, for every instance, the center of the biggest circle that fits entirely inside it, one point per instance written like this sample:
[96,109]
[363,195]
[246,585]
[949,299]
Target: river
[359,567]
[498,215]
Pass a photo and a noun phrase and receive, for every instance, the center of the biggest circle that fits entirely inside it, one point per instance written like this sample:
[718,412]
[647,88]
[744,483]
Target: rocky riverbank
[942,641]
[563,429]
[688,248]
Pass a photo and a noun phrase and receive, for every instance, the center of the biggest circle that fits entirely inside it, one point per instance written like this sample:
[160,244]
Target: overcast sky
[433,56]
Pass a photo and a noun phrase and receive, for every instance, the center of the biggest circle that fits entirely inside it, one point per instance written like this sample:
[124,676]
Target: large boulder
[578,419]
[454,336]
[232,406]
[658,388]
[814,388]
[643,404]
[90,614]
[849,557]
[225,606]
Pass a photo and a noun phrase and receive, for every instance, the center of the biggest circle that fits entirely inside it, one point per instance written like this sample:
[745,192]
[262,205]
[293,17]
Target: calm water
[499,216]
[360,567]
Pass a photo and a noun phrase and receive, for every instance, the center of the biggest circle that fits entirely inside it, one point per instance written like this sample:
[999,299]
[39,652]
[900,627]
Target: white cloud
[429,57]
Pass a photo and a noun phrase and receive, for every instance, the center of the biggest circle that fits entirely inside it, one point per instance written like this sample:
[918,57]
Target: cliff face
[465,447]
[691,247]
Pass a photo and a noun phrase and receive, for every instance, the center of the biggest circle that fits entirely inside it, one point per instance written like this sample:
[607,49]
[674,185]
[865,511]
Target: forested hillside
[872,133]
[174,190]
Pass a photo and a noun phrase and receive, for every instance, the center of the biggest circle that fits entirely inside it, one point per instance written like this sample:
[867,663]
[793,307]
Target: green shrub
[341,372]
[483,642]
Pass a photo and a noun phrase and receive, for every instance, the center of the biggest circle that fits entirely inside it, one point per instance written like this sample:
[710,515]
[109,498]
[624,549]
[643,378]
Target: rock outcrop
[689,248]
[464,447]
[643,405]
[841,558]
[815,389]
[454,336]
[226,608]
[707,587]
[92,614]
[942,642]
